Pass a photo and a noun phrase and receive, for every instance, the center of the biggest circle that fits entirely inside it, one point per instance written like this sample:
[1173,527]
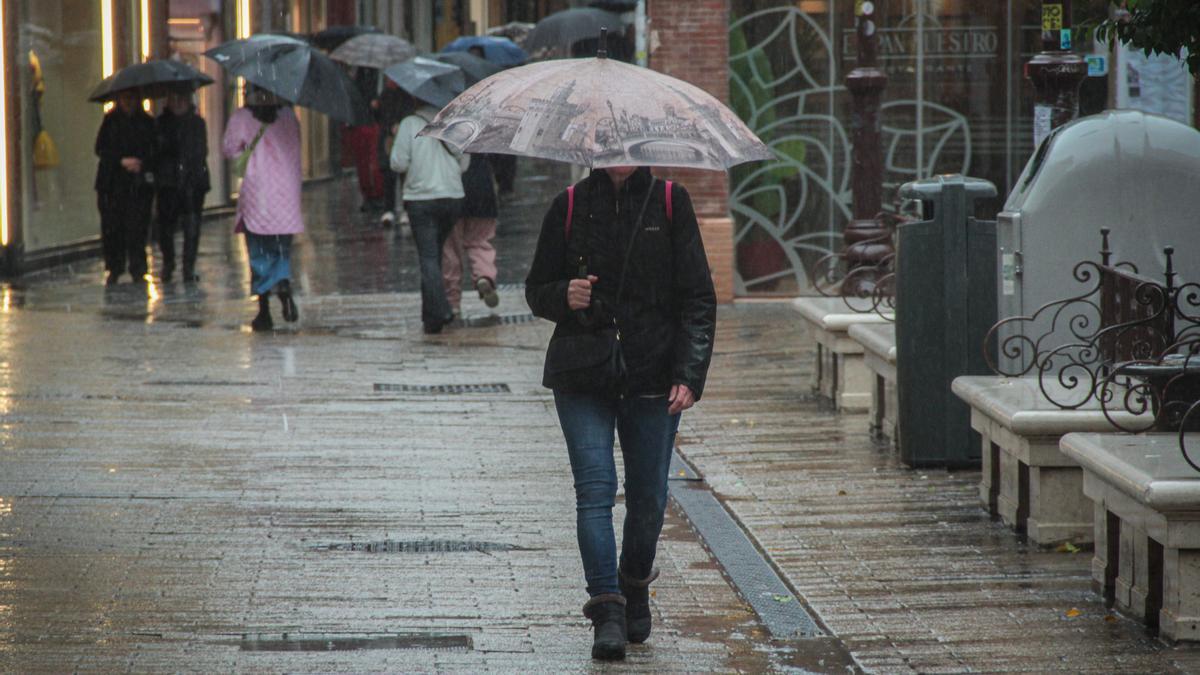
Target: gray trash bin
[945,303]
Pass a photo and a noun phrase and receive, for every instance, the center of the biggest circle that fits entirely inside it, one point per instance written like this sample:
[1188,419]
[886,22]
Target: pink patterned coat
[269,199]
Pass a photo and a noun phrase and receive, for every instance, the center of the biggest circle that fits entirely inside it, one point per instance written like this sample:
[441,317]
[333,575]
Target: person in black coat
[124,186]
[632,255]
[182,178]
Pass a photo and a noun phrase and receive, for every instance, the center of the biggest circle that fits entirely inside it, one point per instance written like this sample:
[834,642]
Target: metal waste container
[946,273]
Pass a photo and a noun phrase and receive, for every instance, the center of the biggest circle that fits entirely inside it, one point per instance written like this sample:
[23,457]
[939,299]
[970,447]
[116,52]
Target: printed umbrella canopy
[500,51]
[154,78]
[562,29]
[374,50]
[294,71]
[597,112]
[433,82]
[474,68]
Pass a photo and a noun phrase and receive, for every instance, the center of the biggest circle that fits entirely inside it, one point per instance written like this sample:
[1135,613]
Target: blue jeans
[431,222]
[647,435]
[270,260]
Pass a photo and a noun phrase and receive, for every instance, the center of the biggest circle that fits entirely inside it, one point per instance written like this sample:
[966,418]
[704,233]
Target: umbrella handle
[602,50]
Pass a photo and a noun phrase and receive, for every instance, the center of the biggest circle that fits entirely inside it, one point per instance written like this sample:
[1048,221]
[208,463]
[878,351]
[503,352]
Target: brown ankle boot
[607,613]
[637,605]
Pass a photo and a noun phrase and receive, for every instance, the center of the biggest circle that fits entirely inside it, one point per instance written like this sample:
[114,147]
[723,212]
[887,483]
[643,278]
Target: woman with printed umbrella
[620,269]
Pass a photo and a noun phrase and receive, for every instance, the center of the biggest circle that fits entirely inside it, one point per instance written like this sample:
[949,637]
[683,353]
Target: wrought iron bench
[1053,379]
[857,287]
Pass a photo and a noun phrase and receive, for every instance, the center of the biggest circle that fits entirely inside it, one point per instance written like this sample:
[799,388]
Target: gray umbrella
[474,68]
[153,78]
[563,29]
[431,81]
[374,50]
[294,71]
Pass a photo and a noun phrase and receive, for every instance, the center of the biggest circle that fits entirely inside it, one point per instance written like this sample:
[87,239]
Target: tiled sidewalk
[904,566]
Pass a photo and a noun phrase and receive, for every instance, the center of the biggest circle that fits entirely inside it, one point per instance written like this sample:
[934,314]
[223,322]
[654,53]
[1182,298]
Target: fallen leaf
[841,493]
[1072,613]
[783,598]
[1067,547]
[735,421]
[1109,618]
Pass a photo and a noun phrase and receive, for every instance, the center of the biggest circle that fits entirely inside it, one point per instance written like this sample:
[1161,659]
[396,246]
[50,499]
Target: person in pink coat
[268,209]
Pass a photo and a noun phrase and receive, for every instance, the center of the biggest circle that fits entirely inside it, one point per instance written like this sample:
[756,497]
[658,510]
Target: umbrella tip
[602,50]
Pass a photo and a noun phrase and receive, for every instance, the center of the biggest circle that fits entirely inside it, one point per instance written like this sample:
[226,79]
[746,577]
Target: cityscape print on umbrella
[669,127]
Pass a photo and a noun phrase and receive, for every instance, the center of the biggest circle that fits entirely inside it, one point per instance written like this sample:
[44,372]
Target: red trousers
[362,142]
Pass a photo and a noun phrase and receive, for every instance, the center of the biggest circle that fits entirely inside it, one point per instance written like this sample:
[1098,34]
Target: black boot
[607,613]
[284,290]
[263,321]
[637,605]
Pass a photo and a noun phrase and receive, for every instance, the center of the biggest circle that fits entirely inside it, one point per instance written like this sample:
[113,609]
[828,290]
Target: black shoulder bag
[592,362]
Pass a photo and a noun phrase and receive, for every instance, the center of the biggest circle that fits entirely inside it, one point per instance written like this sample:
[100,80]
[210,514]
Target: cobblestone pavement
[180,494]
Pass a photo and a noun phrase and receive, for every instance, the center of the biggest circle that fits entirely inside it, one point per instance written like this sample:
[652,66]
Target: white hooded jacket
[433,169]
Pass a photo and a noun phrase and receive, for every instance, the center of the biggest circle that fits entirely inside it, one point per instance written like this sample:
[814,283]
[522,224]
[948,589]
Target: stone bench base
[841,375]
[1147,527]
[1026,479]
[879,356]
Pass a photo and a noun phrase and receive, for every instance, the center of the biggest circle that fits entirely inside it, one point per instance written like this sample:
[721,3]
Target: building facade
[53,52]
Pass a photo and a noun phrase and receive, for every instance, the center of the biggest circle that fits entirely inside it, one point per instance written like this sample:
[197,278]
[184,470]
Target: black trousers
[179,209]
[124,224]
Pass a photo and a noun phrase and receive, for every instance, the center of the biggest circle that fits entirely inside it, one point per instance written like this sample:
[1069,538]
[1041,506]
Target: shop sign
[945,49]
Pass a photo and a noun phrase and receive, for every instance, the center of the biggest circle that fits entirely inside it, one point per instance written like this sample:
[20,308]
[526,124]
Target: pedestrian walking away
[471,238]
[264,137]
[621,270]
[182,180]
[124,186]
[433,195]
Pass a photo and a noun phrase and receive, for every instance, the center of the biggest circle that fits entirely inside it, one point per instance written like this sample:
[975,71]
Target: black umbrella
[431,81]
[474,68]
[153,78]
[563,29]
[294,71]
[331,38]
[374,50]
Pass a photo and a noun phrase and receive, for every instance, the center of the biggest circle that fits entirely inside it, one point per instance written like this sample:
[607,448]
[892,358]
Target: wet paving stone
[148,527]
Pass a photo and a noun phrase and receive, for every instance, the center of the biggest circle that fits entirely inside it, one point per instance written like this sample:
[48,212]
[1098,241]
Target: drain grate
[418,546]
[325,642]
[492,388]
[783,613]
[486,320]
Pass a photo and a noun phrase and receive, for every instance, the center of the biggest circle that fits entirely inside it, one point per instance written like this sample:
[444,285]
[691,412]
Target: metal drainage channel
[334,642]
[490,388]
[778,608]
[417,546]
[485,320]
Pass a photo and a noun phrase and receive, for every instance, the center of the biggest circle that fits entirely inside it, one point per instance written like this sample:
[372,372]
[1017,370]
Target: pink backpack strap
[670,208]
[570,210]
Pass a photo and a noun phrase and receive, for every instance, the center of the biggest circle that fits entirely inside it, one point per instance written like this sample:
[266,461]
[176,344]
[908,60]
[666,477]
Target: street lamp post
[1056,72]
[867,239]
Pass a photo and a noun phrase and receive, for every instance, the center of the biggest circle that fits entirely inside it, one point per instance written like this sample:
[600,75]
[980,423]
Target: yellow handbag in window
[45,153]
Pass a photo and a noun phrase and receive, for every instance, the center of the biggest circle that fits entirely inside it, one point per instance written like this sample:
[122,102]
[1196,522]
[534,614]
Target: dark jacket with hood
[182,161]
[667,312]
[122,136]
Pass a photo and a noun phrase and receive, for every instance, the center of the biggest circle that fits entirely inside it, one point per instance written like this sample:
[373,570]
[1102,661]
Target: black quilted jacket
[667,312]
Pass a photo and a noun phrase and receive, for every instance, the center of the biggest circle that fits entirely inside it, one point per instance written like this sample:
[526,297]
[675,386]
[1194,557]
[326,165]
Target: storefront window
[60,49]
[956,102]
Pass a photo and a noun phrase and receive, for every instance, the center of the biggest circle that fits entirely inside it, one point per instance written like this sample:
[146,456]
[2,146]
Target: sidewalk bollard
[945,304]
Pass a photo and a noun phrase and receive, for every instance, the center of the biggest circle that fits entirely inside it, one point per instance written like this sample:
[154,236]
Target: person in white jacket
[433,195]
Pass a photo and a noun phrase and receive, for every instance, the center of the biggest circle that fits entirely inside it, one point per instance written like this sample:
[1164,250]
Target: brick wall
[693,45]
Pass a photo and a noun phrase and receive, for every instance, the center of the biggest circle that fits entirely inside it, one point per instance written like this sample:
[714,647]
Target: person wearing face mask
[124,186]
[621,270]
[182,180]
